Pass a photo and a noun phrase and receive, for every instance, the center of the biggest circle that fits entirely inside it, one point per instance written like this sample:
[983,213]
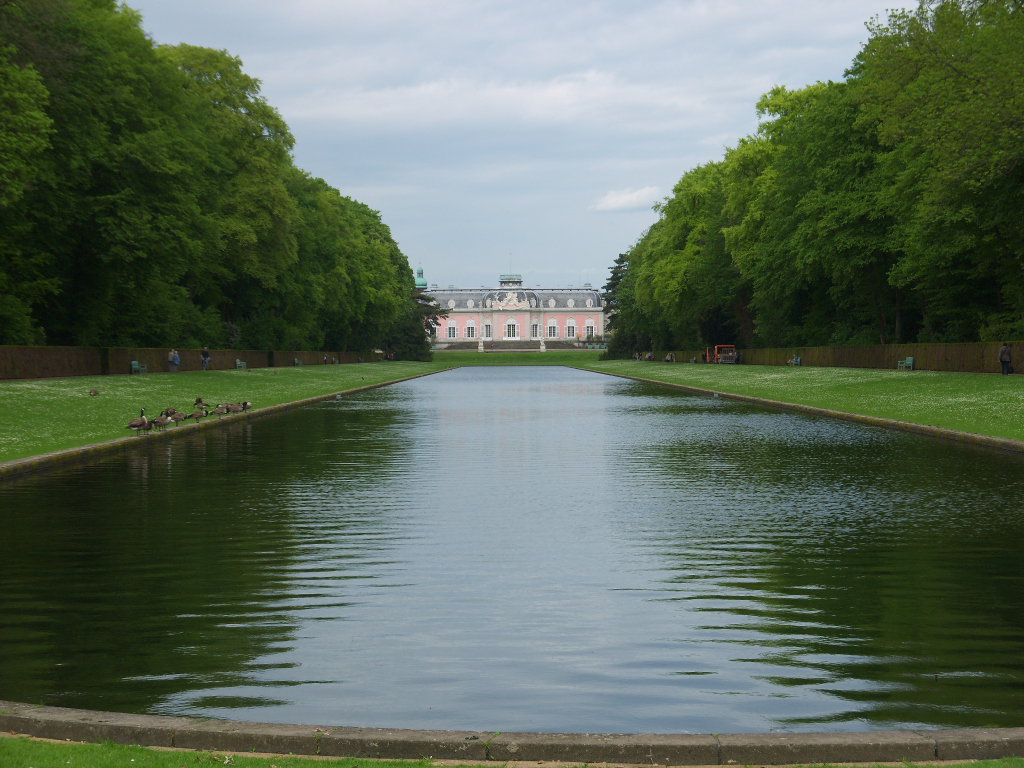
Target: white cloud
[627,199]
[476,127]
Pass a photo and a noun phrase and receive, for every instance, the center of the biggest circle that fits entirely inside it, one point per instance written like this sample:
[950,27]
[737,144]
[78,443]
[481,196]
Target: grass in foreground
[552,357]
[971,402]
[27,753]
[46,415]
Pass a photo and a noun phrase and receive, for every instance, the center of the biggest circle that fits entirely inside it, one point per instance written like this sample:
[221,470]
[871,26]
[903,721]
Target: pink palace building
[514,316]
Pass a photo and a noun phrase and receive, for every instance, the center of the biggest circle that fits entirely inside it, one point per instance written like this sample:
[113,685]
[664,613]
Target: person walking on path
[176,360]
[1004,358]
[205,355]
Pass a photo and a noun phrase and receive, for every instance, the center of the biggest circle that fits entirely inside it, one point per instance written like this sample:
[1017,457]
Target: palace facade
[512,313]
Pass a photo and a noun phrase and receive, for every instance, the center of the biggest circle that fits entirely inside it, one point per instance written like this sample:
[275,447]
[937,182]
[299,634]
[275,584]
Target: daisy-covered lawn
[985,404]
[46,415]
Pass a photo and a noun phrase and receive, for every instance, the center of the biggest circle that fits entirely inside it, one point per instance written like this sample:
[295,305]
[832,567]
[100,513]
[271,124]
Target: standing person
[325,358]
[1004,358]
[170,361]
[205,355]
[177,359]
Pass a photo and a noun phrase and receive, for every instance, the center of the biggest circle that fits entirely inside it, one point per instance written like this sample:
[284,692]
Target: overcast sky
[537,133]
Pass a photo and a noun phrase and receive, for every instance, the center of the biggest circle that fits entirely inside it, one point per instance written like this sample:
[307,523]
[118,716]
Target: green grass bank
[980,403]
[45,415]
[20,752]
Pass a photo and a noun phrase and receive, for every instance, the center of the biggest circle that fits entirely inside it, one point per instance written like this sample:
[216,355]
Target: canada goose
[223,405]
[146,427]
[246,405]
[177,417]
[235,408]
[136,424]
[161,421]
[197,415]
[168,412]
[219,411]
[199,401]
[93,393]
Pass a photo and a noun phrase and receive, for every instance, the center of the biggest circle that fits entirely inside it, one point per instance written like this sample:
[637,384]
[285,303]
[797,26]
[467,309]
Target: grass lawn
[982,403]
[553,357]
[46,415]
[28,753]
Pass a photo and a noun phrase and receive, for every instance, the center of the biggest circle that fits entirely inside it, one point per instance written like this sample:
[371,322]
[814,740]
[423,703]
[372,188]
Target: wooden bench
[239,364]
[905,365]
[138,367]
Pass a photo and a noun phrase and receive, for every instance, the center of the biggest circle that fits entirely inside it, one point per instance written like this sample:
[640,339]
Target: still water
[525,549]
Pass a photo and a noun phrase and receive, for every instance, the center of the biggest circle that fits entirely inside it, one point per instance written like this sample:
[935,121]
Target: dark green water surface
[525,549]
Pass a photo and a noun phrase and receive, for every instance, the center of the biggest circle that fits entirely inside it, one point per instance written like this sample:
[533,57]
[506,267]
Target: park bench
[797,360]
[239,364]
[905,365]
[693,359]
[296,361]
[138,367]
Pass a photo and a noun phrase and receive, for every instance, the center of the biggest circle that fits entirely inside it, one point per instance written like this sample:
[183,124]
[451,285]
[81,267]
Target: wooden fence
[977,357]
[54,362]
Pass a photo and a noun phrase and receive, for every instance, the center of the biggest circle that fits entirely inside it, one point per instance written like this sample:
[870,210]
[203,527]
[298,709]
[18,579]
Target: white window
[452,332]
[535,331]
[511,330]
[552,330]
[470,332]
[487,330]
[590,328]
[570,328]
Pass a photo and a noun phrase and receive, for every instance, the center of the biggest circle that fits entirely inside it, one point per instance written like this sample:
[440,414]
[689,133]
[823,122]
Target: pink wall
[523,320]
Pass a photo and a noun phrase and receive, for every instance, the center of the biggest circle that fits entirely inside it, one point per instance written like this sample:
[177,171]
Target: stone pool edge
[407,744]
[942,433]
[47,461]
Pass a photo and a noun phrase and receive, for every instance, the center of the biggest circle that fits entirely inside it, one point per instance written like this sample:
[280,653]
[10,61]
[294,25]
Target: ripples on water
[525,549]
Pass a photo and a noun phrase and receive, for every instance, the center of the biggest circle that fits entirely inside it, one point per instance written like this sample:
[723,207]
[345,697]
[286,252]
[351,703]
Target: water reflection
[535,549]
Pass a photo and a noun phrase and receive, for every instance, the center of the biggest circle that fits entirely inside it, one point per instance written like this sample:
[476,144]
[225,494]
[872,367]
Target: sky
[531,137]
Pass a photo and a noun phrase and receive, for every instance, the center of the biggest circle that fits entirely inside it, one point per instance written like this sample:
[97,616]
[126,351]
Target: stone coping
[956,436]
[46,461]
[397,744]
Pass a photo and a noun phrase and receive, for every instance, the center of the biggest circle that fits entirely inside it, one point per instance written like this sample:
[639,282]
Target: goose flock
[176,417]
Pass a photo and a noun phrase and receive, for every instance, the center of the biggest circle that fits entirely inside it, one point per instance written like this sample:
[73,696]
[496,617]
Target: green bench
[296,361]
[797,360]
[239,364]
[138,367]
[905,365]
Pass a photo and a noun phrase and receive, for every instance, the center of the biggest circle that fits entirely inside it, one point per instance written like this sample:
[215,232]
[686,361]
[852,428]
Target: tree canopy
[883,208]
[148,196]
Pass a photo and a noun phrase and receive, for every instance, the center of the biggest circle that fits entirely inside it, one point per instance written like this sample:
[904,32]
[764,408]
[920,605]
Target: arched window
[552,328]
[535,328]
[487,329]
[471,328]
[570,328]
[511,329]
[589,328]
[453,332]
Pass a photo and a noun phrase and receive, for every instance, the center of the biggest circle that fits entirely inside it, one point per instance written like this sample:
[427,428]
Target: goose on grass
[136,424]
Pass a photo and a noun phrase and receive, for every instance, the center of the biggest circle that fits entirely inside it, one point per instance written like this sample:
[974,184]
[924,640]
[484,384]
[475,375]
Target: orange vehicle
[722,353]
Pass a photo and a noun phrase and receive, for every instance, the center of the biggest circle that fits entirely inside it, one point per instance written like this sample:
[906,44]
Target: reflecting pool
[525,549]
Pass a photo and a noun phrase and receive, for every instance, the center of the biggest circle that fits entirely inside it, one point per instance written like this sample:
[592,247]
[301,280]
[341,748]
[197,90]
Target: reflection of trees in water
[884,570]
[172,568]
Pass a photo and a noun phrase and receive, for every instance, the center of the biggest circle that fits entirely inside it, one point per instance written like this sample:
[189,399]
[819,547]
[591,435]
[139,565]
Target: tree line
[885,208]
[148,196]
